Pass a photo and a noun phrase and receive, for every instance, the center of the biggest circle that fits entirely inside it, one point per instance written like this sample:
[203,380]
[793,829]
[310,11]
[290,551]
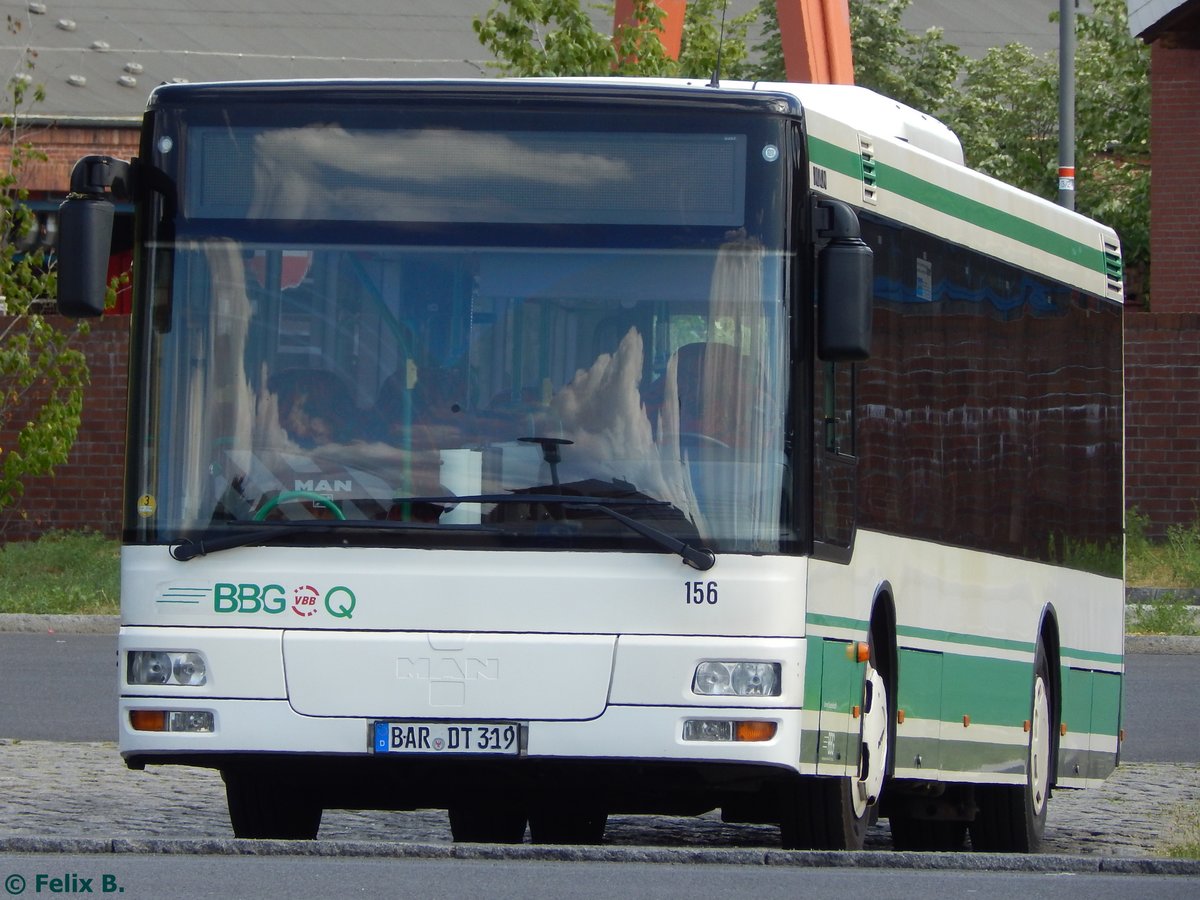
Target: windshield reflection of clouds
[311,173]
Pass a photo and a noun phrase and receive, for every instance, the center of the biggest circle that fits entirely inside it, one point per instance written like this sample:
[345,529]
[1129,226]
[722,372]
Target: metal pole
[1066,103]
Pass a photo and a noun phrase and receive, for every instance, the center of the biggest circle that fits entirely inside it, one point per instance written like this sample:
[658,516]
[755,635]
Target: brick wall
[1162,415]
[85,493]
[1162,346]
[1175,144]
[64,145]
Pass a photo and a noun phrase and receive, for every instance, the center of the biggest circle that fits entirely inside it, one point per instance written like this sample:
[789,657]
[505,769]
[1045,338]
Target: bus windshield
[335,338]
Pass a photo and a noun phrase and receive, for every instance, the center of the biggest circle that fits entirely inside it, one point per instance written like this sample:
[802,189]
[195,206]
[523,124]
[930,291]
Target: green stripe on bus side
[823,621]
[831,156]
[946,201]
[974,640]
[1092,655]
[953,637]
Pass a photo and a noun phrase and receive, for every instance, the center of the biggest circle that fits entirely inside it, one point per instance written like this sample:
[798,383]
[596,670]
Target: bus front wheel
[835,813]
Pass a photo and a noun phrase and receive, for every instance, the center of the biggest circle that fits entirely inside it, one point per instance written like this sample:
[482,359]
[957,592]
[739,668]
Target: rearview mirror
[845,276]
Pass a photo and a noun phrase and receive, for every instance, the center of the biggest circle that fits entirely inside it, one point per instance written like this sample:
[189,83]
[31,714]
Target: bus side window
[835,476]
[837,426]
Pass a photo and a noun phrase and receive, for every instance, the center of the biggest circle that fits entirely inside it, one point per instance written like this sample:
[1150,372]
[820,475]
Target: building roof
[99,59]
[1150,19]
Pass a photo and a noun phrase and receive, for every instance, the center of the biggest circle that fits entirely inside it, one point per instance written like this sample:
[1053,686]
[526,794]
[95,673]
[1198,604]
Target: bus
[544,450]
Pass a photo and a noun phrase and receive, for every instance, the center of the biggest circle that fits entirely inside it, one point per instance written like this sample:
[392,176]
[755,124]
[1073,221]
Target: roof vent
[77,80]
[134,68]
[102,46]
[65,24]
[127,81]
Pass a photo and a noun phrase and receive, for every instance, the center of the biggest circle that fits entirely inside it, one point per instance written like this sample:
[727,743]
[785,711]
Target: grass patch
[1185,837]
[1165,614]
[62,573]
[1171,563]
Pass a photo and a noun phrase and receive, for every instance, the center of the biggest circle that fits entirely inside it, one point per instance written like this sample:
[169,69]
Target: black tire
[830,813]
[818,814]
[1012,818]
[263,806]
[487,824]
[926,834]
[567,825]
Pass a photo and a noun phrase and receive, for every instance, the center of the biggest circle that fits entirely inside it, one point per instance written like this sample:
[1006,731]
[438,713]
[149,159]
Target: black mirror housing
[84,244]
[845,289]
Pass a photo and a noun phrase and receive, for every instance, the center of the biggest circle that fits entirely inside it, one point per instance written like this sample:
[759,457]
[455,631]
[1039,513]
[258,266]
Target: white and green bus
[547,450]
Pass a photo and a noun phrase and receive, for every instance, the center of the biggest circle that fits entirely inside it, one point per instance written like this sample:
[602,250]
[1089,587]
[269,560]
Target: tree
[560,37]
[41,375]
[1006,114]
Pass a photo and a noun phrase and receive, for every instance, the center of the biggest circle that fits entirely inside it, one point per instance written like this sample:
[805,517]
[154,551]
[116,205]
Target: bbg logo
[305,600]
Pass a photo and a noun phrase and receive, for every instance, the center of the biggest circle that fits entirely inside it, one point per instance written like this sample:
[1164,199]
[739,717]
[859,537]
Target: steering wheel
[294,496]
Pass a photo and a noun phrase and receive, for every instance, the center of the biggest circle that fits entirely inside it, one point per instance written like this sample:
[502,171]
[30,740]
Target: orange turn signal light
[858,651]
[755,731]
[148,719]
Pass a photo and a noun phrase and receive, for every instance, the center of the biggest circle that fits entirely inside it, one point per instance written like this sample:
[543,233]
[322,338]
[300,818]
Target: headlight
[166,667]
[737,679]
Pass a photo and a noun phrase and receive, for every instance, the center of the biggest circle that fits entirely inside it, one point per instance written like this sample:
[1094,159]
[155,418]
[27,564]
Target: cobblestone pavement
[83,790]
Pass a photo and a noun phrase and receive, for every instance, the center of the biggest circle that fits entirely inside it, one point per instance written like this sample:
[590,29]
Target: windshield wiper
[190,549]
[697,557]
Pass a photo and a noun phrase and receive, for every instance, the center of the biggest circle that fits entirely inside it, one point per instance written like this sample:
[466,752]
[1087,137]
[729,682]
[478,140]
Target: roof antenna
[716,76]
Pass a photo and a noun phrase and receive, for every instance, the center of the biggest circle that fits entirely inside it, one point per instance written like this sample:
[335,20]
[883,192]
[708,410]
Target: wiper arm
[697,557]
[189,549]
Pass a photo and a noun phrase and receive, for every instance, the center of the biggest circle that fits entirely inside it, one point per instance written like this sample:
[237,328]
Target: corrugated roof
[122,49]
[101,58]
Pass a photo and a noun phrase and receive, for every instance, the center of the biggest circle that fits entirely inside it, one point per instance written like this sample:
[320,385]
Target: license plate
[447,737]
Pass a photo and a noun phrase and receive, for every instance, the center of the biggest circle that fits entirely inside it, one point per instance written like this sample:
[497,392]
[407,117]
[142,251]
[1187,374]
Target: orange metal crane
[815,33]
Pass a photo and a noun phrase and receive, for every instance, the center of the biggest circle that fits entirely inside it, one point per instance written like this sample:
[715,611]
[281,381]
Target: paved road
[200,877]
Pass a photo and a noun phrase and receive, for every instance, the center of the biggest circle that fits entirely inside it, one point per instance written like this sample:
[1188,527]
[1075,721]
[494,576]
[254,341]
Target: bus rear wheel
[263,806]
[1012,818]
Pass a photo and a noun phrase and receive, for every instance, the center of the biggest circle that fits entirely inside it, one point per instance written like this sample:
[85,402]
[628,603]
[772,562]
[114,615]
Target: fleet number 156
[697,593]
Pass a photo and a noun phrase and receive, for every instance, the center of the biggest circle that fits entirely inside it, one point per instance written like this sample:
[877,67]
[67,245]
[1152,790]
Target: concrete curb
[881,859]
[33,623]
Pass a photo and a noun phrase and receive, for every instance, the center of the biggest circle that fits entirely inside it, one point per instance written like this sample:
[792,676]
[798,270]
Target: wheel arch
[1048,637]
[882,636]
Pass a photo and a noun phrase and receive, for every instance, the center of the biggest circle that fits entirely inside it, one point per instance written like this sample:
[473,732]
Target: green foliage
[1183,840]
[63,573]
[1165,613]
[1170,563]
[919,70]
[560,38]
[41,376]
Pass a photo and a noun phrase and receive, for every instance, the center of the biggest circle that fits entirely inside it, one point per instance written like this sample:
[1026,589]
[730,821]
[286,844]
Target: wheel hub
[872,761]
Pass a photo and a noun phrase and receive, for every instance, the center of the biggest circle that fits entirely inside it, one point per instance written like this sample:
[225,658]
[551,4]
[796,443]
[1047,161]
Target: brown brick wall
[85,493]
[1162,346]
[1162,415]
[63,145]
[1175,144]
